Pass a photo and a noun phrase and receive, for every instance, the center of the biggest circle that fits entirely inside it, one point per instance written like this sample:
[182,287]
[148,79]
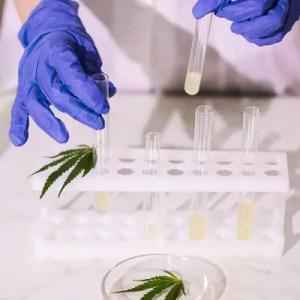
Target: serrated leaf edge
[58,173]
[77,170]
[173,285]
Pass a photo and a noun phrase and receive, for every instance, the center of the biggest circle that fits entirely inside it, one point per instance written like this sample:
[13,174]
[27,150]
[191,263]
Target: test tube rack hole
[128,174]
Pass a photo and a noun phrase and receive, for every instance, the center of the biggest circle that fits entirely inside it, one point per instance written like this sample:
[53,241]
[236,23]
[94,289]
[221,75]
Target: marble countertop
[22,276]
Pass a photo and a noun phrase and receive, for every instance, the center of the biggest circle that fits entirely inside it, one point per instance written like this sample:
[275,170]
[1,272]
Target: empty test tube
[102,199]
[202,138]
[197,55]
[250,133]
[150,205]
[152,153]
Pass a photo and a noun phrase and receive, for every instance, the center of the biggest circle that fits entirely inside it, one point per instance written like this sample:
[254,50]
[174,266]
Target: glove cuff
[48,16]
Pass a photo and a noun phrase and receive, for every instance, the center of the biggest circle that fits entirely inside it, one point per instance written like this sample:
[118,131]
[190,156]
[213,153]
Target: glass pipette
[153,140]
[249,148]
[102,199]
[197,55]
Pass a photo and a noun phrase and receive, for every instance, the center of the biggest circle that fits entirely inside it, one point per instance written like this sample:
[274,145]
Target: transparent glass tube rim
[251,115]
[251,111]
[202,133]
[204,110]
[153,136]
[152,152]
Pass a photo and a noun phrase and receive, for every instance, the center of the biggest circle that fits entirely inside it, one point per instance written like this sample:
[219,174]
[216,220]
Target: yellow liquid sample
[149,232]
[197,227]
[245,220]
[192,83]
[101,202]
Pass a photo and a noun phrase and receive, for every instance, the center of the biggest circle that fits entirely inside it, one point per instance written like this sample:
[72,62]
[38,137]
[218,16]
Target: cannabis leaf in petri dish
[80,160]
[169,285]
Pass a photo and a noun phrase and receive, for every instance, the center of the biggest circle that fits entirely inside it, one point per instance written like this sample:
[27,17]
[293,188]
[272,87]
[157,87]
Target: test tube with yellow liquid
[102,199]
[202,144]
[197,55]
[197,220]
[245,216]
[249,148]
[151,204]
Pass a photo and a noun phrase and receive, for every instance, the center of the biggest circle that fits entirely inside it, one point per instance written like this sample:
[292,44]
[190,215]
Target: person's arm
[25,7]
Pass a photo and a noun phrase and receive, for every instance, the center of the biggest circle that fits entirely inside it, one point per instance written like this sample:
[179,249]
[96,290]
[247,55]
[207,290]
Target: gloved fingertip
[94,121]
[198,13]
[235,28]
[62,136]
[99,126]
[62,139]
[101,123]
[17,140]
[202,8]
[106,108]
[112,90]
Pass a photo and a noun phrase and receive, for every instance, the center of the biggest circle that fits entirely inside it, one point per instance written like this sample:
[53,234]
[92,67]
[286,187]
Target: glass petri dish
[196,273]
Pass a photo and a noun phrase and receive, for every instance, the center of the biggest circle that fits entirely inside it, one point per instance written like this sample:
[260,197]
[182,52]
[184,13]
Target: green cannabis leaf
[80,160]
[169,285]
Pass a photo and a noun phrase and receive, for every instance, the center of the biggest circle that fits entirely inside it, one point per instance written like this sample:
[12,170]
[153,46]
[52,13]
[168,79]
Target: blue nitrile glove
[55,69]
[262,22]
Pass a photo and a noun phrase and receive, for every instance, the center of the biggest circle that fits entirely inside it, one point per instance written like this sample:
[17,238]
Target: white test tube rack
[65,233]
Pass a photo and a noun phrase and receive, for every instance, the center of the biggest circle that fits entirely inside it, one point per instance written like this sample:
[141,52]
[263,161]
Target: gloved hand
[262,22]
[55,69]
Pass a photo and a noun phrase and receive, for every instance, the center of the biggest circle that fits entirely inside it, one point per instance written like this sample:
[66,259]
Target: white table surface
[22,276]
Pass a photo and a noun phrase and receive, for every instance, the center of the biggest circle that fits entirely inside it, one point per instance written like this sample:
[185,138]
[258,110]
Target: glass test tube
[102,199]
[152,156]
[197,55]
[202,144]
[245,216]
[151,204]
[197,221]
[102,136]
[249,148]
[202,138]
[250,133]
